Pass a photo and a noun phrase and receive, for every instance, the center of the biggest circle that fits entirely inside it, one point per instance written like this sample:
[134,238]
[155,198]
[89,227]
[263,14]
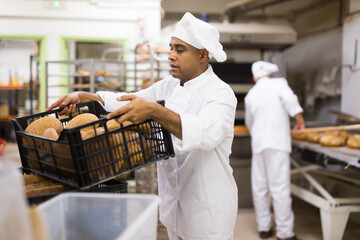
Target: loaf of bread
[334,138]
[314,137]
[143,128]
[62,159]
[38,126]
[342,134]
[88,133]
[332,141]
[62,152]
[82,119]
[113,124]
[127,148]
[353,141]
[139,150]
[300,136]
[82,72]
[97,156]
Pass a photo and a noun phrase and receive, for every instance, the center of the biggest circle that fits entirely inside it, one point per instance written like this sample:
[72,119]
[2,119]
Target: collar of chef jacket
[198,82]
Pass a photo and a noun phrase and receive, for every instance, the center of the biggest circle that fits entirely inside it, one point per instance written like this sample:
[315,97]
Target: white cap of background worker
[261,69]
[200,34]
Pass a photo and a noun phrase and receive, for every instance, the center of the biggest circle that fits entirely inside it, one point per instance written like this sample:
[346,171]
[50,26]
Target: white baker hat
[261,68]
[200,35]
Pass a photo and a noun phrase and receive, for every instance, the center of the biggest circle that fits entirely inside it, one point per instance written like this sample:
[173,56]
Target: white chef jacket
[197,187]
[267,108]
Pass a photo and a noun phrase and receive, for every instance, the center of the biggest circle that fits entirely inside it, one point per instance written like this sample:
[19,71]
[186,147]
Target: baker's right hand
[67,102]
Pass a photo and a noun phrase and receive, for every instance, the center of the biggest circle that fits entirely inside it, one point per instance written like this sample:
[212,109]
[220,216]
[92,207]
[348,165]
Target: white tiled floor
[307,224]
[307,217]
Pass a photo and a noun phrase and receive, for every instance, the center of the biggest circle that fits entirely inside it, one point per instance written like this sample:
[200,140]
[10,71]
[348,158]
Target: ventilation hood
[256,35]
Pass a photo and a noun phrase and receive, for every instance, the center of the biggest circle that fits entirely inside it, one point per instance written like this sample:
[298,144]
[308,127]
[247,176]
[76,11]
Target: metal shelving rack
[149,64]
[112,78]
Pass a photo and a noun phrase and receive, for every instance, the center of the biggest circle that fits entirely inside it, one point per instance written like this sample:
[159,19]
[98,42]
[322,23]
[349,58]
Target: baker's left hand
[136,111]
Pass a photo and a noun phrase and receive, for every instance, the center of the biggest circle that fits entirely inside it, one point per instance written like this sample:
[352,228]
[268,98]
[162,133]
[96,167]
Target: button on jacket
[267,108]
[197,187]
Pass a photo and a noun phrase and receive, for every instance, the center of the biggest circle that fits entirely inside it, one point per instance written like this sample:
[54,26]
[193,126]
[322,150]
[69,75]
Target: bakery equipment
[319,177]
[331,128]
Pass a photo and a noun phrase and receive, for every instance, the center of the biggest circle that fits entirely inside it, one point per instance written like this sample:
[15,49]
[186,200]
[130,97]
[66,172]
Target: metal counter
[344,155]
[320,167]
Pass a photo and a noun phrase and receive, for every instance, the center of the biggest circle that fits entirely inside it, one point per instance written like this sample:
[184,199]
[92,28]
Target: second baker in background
[268,106]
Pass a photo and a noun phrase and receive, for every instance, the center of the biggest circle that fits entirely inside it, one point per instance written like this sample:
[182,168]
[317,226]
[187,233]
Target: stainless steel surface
[343,154]
[256,35]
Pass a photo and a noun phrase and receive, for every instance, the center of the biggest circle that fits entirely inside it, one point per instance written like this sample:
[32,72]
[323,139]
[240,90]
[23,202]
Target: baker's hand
[296,129]
[300,124]
[136,111]
[67,102]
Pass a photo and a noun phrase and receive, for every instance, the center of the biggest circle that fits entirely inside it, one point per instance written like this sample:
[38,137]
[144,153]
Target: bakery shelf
[86,74]
[7,118]
[157,65]
[11,87]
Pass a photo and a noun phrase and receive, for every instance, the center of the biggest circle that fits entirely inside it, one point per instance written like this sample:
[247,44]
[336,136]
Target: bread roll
[82,72]
[88,133]
[62,151]
[100,72]
[38,126]
[97,156]
[143,128]
[126,150]
[113,124]
[332,141]
[342,134]
[82,119]
[139,150]
[51,133]
[62,158]
[353,141]
[136,149]
[314,137]
[300,136]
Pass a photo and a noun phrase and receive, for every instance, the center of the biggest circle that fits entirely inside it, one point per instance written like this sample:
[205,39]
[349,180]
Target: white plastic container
[101,216]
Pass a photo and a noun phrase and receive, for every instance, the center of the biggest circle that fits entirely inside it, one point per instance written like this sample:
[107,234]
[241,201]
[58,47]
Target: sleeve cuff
[191,132]
[109,99]
[295,111]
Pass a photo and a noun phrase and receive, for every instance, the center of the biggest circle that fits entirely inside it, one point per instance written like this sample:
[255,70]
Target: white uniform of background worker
[197,188]
[267,108]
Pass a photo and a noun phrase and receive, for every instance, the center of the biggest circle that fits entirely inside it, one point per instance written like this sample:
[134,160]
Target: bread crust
[82,119]
[354,141]
[38,126]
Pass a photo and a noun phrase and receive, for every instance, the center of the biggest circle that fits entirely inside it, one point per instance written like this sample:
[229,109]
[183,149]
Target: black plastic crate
[86,163]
